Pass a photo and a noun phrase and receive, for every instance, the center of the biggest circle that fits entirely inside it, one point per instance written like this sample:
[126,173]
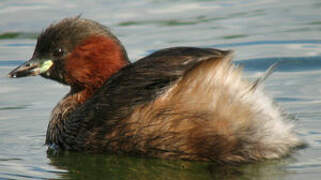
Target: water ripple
[285,64]
[11,63]
[18,35]
[22,176]
[254,43]
[14,107]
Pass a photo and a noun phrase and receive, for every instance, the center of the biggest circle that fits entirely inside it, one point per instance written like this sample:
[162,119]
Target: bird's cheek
[56,73]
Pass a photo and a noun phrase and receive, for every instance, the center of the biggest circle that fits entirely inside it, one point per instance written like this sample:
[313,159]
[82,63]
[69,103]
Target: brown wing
[137,84]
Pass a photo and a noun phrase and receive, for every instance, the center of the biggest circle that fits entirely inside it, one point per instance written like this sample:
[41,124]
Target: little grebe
[177,103]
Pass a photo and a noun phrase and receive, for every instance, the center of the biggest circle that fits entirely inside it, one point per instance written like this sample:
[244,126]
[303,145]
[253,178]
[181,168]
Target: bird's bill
[32,67]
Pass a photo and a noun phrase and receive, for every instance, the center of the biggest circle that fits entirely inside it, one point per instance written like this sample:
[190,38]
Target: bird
[180,103]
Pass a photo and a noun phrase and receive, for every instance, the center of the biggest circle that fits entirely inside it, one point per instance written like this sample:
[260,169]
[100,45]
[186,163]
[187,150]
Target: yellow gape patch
[45,66]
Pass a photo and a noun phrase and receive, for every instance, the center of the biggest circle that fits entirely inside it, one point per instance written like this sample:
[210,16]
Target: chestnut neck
[92,63]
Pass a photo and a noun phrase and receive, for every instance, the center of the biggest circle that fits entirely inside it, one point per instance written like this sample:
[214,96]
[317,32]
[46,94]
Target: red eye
[58,52]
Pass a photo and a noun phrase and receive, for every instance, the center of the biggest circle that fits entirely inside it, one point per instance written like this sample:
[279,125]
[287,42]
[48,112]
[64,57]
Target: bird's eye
[58,52]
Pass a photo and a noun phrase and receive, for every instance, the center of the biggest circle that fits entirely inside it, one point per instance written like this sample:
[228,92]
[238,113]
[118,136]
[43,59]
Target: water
[260,32]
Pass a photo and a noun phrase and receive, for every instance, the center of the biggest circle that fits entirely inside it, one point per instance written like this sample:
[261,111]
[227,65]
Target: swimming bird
[177,103]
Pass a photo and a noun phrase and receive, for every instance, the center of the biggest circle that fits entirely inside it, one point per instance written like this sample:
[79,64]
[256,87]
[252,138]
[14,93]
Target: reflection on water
[89,166]
[86,166]
[261,33]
